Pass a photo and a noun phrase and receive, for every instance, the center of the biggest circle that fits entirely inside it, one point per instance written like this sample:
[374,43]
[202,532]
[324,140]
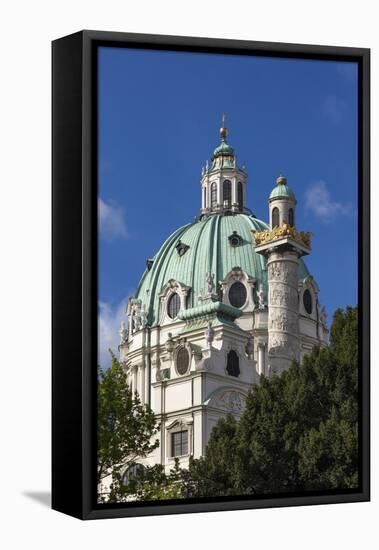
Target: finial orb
[223,132]
[281,180]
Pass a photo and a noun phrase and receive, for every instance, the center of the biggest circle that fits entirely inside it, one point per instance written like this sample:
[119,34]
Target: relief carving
[231,401]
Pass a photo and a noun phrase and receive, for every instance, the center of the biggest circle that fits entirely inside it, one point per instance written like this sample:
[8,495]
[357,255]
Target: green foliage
[299,431]
[214,473]
[150,483]
[125,427]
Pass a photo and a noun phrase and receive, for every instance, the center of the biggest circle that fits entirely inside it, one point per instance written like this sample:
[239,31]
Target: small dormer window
[235,239]
[181,248]
[149,263]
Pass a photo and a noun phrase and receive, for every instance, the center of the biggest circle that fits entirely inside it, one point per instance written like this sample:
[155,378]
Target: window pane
[179,443]
[182,361]
[173,306]
[214,194]
[275,217]
[237,294]
[227,193]
[184,443]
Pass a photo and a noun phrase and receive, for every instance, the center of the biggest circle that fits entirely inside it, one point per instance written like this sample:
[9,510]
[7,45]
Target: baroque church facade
[225,300]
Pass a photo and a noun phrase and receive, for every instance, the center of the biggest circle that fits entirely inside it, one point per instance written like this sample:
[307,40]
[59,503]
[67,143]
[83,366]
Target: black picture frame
[74,270]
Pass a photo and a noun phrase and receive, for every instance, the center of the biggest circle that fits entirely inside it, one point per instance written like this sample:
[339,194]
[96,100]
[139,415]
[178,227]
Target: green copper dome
[223,149]
[282,191]
[207,245]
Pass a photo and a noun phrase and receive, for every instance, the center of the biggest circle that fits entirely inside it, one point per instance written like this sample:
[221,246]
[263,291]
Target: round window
[182,361]
[237,294]
[307,301]
[173,305]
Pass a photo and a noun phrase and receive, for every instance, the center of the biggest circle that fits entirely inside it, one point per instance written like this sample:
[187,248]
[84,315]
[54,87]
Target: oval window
[307,301]
[173,306]
[182,361]
[237,294]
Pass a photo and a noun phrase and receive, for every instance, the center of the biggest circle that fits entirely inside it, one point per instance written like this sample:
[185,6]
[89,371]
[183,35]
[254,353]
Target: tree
[298,432]
[213,474]
[125,427]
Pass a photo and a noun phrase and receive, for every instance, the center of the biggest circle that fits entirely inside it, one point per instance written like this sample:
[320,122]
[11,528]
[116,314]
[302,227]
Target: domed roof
[282,191]
[201,247]
[223,149]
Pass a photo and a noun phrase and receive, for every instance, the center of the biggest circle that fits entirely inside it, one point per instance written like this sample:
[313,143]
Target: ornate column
[282,246]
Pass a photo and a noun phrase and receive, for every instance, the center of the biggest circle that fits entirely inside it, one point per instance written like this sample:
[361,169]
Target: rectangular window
[179,443]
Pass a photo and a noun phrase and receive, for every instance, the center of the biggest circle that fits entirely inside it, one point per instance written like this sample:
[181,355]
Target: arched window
[133,472]
[240,195]
[291,217]
[237,294]
[173,306]
[233,364]
[275,217]
[213,194]
[227,193]
[307,301]
[204,197]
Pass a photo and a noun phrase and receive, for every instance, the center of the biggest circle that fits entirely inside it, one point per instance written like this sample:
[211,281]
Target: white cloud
[320,202]
[111,221]
[334,108]
[109,321]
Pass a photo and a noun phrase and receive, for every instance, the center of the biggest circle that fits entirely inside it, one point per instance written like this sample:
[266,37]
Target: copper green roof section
[282,192]
[210,308]
[209,250]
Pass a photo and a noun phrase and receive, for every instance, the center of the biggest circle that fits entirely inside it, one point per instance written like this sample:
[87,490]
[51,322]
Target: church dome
[282,191]
[223,149]
[214,244]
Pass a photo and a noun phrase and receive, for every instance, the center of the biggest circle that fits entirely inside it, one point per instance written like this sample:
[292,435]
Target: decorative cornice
[265,237]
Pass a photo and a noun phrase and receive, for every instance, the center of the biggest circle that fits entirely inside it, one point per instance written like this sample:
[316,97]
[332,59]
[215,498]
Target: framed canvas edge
[84,501]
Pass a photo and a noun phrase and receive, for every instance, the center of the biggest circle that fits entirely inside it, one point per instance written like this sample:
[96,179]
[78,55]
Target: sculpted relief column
[283,318]
[282,246]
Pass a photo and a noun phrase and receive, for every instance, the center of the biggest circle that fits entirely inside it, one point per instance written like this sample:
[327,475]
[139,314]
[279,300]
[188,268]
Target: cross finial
[223,120]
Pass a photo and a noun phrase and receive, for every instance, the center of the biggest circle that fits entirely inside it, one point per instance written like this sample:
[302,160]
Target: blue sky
[159,115]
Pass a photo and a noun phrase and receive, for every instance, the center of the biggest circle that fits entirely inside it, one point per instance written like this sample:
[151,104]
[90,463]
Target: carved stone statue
[209,333]
[250,347]
[261,294]
[210,283]
[143,316]
[123,333]
[169,343]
